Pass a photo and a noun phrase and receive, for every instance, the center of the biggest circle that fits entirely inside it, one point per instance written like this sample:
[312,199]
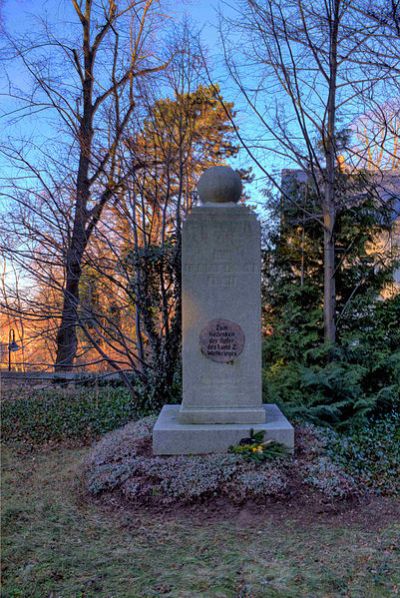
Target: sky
[21,16]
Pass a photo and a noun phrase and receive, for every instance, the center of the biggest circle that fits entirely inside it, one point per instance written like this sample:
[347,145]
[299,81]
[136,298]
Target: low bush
[330,479]
[344,386]
[122,463]
[332,465]
[336,393]
[371,453]
[59,414]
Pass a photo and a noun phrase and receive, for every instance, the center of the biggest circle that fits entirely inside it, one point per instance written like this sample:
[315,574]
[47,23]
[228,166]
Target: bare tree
[306,74]
[93,92]
[377,147]
[128,315]
[139,241]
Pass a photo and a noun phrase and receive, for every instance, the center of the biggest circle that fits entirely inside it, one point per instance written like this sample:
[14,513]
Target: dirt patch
[369,513]
[144,447]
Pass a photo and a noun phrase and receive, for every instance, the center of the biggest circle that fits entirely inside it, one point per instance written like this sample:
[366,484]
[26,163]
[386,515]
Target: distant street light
[12,347]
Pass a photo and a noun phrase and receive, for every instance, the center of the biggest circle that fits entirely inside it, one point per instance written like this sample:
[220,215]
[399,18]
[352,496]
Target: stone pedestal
[170,437]
[221,316]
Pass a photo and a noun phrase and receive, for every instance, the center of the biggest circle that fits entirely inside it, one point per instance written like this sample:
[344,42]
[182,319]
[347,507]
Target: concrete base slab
[170,437]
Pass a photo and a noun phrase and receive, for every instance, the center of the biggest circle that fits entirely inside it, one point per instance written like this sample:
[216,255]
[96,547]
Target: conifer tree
[360,376]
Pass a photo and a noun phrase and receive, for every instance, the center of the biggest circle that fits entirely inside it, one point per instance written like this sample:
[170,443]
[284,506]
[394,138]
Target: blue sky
[21,16]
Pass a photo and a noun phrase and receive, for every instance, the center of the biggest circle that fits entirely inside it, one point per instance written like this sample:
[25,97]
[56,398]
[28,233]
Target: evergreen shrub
[344,386]
[62,414]
[357,378]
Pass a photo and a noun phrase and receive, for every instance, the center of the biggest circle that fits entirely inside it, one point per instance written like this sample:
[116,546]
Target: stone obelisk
[221,328]
[221,306]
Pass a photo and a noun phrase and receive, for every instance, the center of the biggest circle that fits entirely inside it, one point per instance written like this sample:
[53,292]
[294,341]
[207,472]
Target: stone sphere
[219,184]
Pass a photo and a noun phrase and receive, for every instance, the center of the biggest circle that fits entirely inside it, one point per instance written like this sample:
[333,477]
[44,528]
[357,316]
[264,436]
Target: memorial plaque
[222,340]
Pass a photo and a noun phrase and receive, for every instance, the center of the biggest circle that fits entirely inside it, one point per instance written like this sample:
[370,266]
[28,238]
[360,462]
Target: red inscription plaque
[222,340]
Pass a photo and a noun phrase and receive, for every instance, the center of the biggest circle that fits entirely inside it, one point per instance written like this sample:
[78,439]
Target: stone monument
[221,328]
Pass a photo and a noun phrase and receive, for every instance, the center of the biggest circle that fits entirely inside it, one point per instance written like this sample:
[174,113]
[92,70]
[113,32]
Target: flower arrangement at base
[254,448]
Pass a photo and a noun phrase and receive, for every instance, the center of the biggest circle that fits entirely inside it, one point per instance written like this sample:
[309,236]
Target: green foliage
[159,386]
[321,394]
[359,377]
[362,381]
[55,415]
[154,290]
[341,393]
[296,323]
[293,263]
[371,453]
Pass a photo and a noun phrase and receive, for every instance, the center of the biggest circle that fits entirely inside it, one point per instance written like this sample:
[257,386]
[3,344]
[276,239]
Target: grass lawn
[57,544]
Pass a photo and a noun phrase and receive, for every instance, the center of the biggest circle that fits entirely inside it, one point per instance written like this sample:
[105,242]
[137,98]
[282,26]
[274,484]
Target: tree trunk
[329,280]
[66,336]
[329,210]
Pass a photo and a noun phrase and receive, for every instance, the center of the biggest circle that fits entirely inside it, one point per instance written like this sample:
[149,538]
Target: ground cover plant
[371,453]
[54,414]
[57,543]
[323,466]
